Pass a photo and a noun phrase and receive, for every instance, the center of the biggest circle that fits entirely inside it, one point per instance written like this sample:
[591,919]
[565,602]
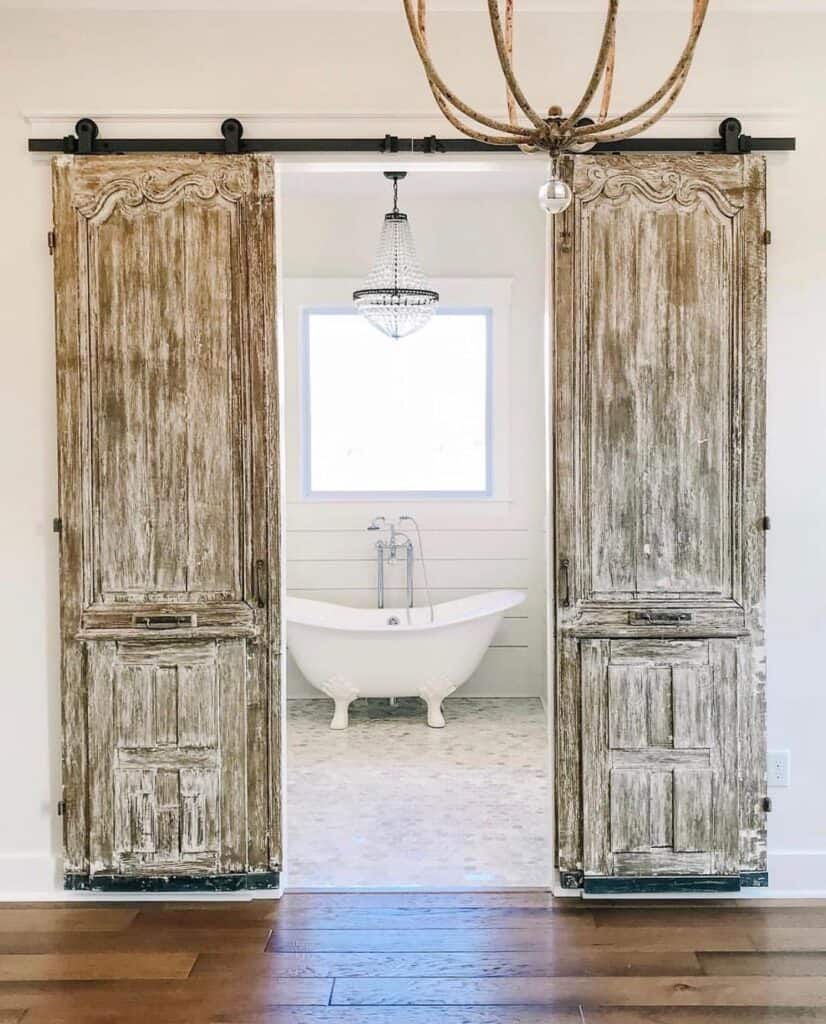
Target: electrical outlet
[779,771]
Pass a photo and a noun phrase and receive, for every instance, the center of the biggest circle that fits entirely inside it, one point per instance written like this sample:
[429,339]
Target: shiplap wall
[471,546]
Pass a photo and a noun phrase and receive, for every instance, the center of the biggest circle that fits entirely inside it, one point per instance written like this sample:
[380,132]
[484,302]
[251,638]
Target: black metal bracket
[84,143]
[731,132]
[232,130]
[87,141]
[430,144]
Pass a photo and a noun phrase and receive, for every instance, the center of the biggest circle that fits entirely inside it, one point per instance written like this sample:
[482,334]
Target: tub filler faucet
[389,551]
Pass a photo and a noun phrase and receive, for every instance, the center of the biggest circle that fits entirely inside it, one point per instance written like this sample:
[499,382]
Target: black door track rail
[87,141]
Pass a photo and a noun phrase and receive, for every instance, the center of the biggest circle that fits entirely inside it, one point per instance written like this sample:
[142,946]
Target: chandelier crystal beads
[396,298]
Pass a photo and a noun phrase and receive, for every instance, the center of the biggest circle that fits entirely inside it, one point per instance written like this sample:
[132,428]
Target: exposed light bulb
[554,195]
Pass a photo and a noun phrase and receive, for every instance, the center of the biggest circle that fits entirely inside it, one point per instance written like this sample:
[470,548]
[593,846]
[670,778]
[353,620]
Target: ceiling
[310,6]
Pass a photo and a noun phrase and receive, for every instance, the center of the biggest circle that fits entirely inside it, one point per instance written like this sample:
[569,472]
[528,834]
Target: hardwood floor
[413,958]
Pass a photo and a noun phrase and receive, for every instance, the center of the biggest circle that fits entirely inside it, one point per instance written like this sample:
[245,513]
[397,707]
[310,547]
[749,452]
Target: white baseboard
[30,876]
[796,873]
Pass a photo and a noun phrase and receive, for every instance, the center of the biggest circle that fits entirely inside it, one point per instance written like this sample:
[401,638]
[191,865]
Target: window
[406,418]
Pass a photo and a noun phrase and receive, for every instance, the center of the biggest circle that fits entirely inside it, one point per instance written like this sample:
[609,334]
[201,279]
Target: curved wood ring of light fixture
[554,133]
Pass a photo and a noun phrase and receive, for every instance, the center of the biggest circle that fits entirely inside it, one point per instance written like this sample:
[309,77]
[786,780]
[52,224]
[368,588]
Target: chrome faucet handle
[377,523]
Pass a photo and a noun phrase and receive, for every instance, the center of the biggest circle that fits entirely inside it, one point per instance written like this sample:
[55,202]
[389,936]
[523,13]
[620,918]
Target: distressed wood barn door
[659,366]
[169,521]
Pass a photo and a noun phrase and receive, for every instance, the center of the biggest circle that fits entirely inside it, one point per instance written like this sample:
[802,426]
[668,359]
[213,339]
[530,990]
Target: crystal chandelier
[395,297]
[558,132]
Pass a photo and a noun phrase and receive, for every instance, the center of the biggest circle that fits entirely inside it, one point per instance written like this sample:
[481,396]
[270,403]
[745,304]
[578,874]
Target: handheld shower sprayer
[411,519]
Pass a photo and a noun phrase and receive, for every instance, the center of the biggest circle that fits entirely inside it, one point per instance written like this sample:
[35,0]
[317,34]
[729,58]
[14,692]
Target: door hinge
[767,237]
[766,522]
[766,803]
[57,525]
[50,238]
[61,808]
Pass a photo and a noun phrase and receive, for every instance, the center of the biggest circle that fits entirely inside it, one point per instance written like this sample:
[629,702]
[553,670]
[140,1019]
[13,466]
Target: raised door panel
[166,473]
[657,473]
[168,757]
[660,758]
[658,278]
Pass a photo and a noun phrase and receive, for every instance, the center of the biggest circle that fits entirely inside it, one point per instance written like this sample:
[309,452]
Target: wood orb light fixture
[557,132]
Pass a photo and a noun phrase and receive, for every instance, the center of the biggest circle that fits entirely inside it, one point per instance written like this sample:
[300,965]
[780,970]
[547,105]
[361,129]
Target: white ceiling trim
[201,124]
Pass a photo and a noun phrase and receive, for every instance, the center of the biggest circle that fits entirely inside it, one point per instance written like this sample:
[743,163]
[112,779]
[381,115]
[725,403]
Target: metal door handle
[564,583]
[658,618]
[164,621]
[261,582]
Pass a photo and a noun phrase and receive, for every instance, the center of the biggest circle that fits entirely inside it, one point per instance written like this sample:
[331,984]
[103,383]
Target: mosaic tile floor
[390,802]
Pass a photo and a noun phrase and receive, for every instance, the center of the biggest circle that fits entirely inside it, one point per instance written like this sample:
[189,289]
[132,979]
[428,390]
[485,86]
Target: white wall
[471,545]
[91,63]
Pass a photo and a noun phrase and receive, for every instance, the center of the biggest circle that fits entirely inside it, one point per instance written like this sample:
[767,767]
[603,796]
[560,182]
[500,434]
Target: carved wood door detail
[167,400]
[659,437]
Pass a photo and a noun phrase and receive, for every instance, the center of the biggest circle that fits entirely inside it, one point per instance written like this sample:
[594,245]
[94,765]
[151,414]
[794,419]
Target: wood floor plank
[704,1015]
[770,965]
[234,916]
[425,940]
[674,939]
[327,1015]
[577,918]
[691,991]
[241,940]
[11,1016]
[696,915]
[463,940]
[427,965]
[778,940]
[95,966]
[65,919]
[175,940]
[373,918]
[448,1015]
[213,996]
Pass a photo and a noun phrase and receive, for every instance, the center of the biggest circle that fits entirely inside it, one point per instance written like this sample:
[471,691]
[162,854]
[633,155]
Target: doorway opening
[416,473]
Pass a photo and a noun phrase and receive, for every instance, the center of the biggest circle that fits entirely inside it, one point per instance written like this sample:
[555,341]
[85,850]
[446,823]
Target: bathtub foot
[343,694]
[433,694]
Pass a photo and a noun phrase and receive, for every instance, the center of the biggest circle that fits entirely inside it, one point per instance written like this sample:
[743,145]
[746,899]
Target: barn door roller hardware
[87,141]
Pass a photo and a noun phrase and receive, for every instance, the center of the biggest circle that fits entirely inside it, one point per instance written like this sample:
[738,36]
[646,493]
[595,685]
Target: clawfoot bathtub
[393,652]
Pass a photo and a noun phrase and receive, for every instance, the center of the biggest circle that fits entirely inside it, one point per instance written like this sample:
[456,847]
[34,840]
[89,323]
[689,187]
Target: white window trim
[490,295]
